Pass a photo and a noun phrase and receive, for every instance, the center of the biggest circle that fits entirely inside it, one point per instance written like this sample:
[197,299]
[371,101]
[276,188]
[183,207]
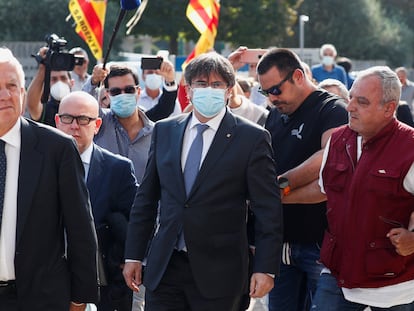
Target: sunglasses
[129,89]
[275,89]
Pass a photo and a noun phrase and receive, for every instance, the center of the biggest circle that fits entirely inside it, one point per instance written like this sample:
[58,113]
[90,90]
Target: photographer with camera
[53,77]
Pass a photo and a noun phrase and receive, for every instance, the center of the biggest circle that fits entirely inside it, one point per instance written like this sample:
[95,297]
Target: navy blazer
[238,167]
[52,199]
[112,187]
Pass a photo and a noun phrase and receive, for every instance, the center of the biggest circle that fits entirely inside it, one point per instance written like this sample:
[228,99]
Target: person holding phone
[153,91]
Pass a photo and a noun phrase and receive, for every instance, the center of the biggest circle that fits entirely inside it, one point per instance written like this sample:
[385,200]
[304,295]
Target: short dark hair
[120,71]
[206,64]
[284,60]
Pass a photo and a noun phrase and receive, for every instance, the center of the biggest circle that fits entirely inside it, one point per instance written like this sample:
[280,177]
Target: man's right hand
[133,275]
[98,74]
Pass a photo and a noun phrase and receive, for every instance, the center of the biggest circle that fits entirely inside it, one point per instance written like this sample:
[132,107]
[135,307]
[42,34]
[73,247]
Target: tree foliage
[360,29]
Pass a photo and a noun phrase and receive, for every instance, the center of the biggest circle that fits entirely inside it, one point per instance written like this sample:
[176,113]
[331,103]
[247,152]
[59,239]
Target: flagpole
[115,31]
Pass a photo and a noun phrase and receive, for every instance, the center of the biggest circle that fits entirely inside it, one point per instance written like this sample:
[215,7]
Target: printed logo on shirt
[296,132]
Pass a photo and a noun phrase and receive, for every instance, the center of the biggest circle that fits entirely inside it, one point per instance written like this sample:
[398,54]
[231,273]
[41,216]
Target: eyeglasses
[129,89]
[275,89]
[204,84]
[81,120]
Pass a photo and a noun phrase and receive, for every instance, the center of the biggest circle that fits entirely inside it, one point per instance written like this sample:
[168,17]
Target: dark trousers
[115,297]
[178,291]
[8,298]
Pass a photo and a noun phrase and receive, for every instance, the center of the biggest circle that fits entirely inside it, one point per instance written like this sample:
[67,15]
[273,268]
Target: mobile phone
[252,56]
[151,62]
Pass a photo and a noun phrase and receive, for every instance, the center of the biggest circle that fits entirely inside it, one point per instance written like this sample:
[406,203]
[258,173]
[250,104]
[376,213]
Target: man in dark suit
[112,187]
[198,257]
[47,240]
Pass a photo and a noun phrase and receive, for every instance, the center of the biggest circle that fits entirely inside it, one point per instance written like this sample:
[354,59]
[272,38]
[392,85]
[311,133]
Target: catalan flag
[204,15]
[89,16]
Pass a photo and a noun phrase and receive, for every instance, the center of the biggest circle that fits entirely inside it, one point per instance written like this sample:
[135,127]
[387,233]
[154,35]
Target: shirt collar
[87,154]
[213,123]
[12,137]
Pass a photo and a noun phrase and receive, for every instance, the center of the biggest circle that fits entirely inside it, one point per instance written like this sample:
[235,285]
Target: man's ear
[390,108]
[57,120]
[98,123]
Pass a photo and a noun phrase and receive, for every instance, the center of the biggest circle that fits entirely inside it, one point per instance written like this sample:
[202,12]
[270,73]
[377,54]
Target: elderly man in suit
[47,240]
[198,257]
[112,187]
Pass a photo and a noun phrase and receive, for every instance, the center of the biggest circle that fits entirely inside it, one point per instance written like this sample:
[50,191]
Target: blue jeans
[296,285]
[329,297]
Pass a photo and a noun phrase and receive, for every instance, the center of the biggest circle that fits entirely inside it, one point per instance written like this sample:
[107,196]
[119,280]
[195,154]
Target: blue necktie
[192,165]
[3,167]
[191,168]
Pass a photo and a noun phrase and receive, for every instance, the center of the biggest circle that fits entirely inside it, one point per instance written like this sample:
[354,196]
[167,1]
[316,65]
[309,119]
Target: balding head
[78,116]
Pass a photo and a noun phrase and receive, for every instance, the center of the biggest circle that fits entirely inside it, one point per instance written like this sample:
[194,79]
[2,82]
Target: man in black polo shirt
[301,122]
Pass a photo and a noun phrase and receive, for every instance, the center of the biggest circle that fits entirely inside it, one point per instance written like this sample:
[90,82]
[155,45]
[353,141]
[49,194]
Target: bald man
[112,185]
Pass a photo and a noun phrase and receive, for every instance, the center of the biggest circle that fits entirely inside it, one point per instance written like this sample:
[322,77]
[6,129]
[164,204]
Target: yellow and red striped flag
[204,15]
[89,16]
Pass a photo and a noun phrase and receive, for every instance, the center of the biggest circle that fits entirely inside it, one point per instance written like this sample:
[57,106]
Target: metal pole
[302,20]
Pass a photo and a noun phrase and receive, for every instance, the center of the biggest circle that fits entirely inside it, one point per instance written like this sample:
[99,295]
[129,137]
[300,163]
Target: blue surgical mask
[123,105]
[208,101]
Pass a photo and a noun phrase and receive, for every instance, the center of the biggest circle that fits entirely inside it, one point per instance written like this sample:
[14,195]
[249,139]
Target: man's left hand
[403,240]
[260,284]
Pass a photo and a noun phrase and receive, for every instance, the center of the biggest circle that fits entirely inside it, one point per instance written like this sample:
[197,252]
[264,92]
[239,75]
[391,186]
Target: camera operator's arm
[35,90]
[167,100]
[98,75]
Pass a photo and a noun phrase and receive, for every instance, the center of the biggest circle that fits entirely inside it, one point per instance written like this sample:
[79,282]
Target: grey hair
[6,56]
[344,93]
[327,46]
[390,84]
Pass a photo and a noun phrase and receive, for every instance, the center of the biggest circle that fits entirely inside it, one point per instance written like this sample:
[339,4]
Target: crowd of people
[291,189]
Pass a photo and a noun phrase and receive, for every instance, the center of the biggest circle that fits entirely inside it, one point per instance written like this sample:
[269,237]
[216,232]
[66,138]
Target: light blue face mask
[208,101]
[123,105]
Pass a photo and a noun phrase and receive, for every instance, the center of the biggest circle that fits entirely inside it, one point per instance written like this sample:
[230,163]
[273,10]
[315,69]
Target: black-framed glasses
[129,89]
[81,120]
[275,89]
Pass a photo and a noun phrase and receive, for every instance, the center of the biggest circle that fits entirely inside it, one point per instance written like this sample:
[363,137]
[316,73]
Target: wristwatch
[172,83]
[284,185]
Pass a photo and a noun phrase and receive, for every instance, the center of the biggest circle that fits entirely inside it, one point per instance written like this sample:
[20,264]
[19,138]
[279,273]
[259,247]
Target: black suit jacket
[52,199]
[112,187]
[238,167]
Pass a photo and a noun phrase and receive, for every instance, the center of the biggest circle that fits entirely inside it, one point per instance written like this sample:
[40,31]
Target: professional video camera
[56,58]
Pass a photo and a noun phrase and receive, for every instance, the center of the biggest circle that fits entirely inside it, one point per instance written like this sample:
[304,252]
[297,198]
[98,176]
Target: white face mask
[153,81]
[328,60]
[59,90]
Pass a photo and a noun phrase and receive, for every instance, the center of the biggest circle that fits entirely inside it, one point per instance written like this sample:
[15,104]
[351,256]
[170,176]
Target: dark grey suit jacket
[52,198]
[238,167]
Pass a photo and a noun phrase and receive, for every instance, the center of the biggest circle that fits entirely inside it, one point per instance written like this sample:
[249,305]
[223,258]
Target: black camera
[56,58]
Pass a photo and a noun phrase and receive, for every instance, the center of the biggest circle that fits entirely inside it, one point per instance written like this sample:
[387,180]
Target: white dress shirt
[86,159]
[208,135]
[9,221]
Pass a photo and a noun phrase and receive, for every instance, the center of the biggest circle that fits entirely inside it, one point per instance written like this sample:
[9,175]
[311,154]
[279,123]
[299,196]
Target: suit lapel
[177,143]
[30,166]
[221,141]
[95,170]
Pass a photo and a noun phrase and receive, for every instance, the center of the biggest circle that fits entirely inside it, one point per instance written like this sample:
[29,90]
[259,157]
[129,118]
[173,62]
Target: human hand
[403,240]
[132,273]
[166,70]
[77,306]
[98,74]
[234,57]
[260,284]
